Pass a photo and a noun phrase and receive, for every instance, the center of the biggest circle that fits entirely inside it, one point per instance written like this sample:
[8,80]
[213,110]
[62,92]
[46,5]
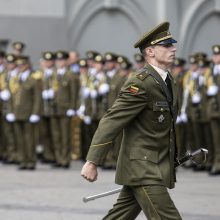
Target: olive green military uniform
[214,115]
[66,88]
[146,158]
[145,110]
[7,85]
[26,102]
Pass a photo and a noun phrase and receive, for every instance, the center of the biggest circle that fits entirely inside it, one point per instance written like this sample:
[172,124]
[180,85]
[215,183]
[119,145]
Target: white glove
[87,120]
[50,93]
[86,92]
[93,94]
[70,112]
[34,118]
[104,88]
[45,94]
[81,110]
[5,95]
[212,90]
[10,117]
[183,117]
[178,120]
[196,98]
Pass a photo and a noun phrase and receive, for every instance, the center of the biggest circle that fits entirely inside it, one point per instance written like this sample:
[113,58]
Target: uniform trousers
[154,200]
[24,131]
[61,130]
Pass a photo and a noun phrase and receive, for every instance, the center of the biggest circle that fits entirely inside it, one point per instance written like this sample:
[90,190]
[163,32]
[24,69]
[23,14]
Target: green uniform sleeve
[131,101]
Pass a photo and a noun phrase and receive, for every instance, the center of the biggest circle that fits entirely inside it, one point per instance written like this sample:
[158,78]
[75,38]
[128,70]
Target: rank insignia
[161,118]
[133,89]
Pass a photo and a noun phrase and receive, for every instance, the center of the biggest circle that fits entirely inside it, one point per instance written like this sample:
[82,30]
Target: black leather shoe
[214,171]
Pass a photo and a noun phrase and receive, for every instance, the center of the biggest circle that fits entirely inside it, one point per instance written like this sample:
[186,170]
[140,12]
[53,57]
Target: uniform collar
[162,73]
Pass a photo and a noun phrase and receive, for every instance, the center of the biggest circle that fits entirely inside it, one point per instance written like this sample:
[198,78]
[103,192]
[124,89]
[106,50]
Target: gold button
[145,157]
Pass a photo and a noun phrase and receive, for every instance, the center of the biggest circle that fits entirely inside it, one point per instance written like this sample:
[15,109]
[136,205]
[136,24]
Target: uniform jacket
[26,98]
[147,151]
[66,93]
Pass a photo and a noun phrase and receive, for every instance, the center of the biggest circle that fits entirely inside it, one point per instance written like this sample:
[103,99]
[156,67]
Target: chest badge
[161,118]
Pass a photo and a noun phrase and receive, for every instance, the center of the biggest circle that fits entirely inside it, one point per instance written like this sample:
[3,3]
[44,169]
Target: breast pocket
[161,113]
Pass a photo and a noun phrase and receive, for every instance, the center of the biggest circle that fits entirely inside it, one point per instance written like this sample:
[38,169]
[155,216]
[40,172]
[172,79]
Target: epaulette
[142,75]
[37,75]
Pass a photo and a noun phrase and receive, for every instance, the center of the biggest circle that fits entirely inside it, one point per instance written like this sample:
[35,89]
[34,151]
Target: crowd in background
[50,114]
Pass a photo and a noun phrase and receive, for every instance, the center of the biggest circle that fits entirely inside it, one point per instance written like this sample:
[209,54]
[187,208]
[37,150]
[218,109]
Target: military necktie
[169,86]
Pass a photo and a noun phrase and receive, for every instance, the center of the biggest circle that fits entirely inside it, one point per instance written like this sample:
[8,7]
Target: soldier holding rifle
[146,112]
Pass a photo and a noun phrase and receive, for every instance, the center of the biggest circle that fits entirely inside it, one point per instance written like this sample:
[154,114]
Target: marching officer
[143,110]
[66,89]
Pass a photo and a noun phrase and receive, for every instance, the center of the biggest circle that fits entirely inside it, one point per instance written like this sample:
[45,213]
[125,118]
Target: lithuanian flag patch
[133,89]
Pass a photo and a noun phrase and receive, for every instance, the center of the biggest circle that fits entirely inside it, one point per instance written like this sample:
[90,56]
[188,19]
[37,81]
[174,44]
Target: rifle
[188,156]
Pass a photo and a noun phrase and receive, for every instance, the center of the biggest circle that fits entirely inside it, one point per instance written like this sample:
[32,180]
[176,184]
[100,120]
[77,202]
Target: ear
[150,51]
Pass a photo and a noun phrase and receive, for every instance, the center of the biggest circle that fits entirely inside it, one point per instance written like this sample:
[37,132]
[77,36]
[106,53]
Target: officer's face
[164,54]
[10,66]
[61,63]
[109,65]
[48,63]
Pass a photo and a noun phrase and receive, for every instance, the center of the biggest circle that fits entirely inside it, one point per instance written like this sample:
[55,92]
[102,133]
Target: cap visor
[168,41]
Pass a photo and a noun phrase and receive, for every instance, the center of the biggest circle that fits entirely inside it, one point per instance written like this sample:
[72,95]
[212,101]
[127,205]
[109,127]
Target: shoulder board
[142,75]
[37,75]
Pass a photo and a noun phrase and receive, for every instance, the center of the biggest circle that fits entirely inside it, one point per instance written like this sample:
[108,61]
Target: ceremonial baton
[187,157]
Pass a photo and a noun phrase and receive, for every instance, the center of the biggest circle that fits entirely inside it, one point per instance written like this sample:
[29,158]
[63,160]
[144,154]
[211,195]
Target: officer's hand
[5,95]
[70,112]
[89,171]
[34,118]
[10,117]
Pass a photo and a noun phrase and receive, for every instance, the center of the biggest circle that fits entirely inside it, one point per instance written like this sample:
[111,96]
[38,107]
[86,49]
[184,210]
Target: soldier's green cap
[109,56]
[61,55]
[179,62]
[90,54]
[10,58]
[121,58]
[83,63]
[138,58]
[22,60]
[18,45]
[216,49]
[203,62]
[48,55]
[99,58]
[125,65]
[158,35]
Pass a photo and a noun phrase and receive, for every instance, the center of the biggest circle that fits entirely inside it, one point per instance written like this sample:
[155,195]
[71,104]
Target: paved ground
[51,194]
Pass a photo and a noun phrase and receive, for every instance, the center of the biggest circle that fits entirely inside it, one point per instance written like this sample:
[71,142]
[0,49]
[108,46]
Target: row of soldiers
[198,123]
[57,108]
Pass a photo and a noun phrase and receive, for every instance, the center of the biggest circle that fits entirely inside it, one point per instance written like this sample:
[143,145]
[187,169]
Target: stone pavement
[56,194]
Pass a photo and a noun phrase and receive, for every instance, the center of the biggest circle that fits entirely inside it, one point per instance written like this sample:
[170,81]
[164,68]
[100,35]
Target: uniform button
[171,130]
[145,157]
[161,109]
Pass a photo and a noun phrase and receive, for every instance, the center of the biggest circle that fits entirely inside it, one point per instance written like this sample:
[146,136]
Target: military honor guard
[146,111]
[25,111]
[8,88]
[18,48]
[47,72]
[66,90]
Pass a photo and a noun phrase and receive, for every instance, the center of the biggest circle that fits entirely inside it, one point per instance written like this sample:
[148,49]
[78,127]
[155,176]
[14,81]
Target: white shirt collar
[13,72]
[48,72]
[162,73]
[61,71]
[111,73]
[24,75]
